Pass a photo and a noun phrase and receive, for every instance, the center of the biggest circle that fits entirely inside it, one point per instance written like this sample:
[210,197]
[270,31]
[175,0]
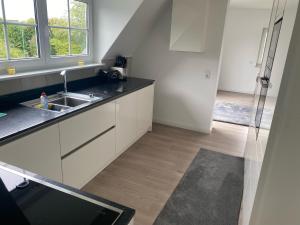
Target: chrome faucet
[64,74]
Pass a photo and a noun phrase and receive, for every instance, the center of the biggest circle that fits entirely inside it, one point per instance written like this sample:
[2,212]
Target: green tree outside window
[22,39]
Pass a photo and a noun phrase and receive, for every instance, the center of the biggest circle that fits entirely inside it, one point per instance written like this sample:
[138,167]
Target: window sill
[45,72]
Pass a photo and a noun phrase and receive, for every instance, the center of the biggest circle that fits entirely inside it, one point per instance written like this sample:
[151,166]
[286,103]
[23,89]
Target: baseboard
[183,126]
[238,91]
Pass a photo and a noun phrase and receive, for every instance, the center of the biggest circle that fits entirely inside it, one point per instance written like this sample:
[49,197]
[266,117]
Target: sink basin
[69,102]
[62,102]
[55,108]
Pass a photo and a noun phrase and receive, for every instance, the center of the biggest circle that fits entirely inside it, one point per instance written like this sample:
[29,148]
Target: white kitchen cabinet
[84,164]
[189,30]
[83,161]
[126,122]
[134,115]
[145,98]
[85,126]
[75,150]
[38,152]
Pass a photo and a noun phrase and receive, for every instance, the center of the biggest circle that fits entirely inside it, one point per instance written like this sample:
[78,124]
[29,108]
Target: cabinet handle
[86,143]
[264,81]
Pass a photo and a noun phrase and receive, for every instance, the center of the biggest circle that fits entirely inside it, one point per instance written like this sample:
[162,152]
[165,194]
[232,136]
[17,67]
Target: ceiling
[252,4]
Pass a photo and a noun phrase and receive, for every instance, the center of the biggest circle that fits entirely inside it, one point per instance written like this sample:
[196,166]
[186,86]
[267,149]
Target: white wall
[188,30]
[272,157]
[10,180]
[184,97]
[277,201]
[28,83]
[110,18]
[138,27]
[242,37]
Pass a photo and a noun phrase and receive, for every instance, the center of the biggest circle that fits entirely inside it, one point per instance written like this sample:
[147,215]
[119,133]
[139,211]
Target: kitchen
[106,114]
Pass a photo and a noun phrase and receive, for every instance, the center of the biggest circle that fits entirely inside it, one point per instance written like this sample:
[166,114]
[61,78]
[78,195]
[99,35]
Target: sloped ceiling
[188,30]
[122,34]
[110,17]
[137,29]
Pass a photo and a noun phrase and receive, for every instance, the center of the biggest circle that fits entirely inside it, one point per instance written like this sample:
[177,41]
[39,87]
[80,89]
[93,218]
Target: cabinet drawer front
[81,166]
[77,130]
[38,153]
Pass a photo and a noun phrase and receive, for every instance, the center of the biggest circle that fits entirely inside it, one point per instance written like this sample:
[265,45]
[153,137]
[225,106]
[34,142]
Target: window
[46,33]
[68,27]
[18,30]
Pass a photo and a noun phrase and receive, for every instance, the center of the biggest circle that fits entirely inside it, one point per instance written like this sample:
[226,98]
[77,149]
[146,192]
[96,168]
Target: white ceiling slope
[252,4]
[137,28]
[110,18]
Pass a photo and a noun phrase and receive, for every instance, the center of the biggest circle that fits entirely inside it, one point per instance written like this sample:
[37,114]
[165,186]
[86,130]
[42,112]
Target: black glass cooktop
[33,203]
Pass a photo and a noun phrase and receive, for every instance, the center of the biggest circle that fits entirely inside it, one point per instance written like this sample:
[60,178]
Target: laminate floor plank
[145,176]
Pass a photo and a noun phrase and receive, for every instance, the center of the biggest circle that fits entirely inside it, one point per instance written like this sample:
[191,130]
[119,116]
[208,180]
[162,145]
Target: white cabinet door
[84,164]
[81,128]
[38,153]
[145,99]
[126,122]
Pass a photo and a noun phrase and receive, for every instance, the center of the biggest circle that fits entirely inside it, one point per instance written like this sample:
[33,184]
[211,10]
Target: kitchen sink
[53,107]
[69,101]
[63,101]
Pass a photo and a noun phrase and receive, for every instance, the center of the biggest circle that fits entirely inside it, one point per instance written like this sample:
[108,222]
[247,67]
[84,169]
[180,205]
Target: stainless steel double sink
[62,102]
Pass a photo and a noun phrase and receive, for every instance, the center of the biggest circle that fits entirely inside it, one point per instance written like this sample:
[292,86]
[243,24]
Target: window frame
[45,60]
[70,28]
[5,24]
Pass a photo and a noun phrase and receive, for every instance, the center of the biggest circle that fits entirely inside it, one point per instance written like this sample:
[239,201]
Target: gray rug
[232,113]
[241,115]
[210,193]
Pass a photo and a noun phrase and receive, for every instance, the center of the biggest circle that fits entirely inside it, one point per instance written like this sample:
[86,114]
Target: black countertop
[40,201]
[21,120]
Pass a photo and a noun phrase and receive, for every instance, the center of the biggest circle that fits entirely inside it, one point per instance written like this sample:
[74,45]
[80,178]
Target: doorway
[245,37]
[233,107]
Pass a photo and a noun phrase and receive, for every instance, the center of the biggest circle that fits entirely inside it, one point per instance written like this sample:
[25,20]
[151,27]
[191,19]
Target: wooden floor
[145,176]
[235,98]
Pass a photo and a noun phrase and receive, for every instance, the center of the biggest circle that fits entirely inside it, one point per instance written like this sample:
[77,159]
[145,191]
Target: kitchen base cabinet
[134,115]
[75,150]
[145,100]
[126,122]
[85,163]
[38,152]
[133,118]
[85,126]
